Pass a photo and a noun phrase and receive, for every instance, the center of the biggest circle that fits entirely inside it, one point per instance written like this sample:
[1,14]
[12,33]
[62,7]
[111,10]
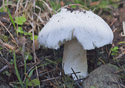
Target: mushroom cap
[88,28]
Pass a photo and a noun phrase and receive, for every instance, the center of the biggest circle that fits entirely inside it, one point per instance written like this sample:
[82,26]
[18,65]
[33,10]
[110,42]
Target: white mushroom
[78,30]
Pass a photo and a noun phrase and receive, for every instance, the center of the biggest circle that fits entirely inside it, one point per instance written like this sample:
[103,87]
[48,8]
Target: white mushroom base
[74,57]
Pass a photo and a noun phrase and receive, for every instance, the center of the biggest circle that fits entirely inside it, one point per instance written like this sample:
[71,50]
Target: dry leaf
[62,3]
[9,46]
[94,3]
[36,43]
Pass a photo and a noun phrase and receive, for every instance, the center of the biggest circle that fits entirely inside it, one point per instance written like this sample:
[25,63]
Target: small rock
[103,77]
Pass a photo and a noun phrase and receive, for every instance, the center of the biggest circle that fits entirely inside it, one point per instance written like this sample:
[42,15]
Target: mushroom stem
[74,57]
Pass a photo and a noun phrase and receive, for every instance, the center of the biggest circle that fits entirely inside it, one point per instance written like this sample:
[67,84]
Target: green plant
[67,82]
[4,37]
[7,73]
[104,4]
[20,30]
[1,48]
[121,42]
[20,20]
[11,18]
[33,82]
[114,50]
[54,5]
[4,8]
[17,72]
[92,87]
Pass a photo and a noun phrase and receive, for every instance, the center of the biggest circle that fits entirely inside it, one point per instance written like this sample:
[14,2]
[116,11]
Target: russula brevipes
[78,30]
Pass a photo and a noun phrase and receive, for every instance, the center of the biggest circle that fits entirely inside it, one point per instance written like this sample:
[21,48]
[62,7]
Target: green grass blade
[25,66]
[27,80]
[11,18]
[17,72]
[50,61]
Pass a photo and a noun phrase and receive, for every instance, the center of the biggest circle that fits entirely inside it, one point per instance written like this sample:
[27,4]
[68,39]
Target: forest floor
[24,63]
